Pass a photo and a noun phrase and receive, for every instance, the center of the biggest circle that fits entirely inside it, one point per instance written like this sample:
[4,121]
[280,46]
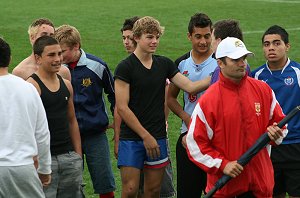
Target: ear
[288,46]
[77,46]
[218,40]
[32,39]
[189,36]
[136,38]
[38,59]
[220,63]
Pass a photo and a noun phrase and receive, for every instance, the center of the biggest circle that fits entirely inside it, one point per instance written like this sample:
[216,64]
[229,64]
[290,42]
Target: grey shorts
[20,181]
[66,176]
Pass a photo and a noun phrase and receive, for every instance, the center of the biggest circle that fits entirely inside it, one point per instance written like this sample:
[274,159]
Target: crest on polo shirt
[257,108]
[289,80]
[185,73]
[86,82]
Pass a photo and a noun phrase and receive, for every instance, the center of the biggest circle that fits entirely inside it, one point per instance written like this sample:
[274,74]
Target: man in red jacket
[226,122]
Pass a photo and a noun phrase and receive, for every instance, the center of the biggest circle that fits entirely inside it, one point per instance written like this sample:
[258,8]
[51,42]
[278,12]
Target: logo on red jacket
[257,108]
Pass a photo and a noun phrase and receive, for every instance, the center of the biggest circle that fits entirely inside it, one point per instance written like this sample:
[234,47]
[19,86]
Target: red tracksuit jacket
[226,122]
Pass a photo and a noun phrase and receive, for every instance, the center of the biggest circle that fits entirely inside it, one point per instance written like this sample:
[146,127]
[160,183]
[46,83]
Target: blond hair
[147,25]
[67,34]
[33,28]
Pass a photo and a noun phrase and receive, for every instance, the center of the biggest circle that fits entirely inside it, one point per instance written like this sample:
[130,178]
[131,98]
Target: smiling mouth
[56,65]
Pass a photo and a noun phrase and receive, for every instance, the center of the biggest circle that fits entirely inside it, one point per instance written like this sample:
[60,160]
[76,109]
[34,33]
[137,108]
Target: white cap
[233,48]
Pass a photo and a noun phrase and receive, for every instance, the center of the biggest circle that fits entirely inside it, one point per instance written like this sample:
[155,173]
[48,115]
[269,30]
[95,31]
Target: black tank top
[56,107]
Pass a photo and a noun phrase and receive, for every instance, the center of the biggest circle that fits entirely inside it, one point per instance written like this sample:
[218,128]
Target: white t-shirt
[24,129]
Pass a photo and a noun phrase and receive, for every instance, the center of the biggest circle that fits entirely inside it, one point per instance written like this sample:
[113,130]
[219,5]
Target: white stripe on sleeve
[192,145]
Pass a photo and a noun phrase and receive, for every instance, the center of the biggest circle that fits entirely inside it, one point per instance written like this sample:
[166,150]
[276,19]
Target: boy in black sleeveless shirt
[57,97]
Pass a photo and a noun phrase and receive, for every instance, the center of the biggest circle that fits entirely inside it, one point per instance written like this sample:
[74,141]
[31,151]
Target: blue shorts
[133,154]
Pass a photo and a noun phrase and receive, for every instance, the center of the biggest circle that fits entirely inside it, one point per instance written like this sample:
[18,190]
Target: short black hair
[199,20]
[5,53]
[128,23]
[276,29]
[40,44]
[227,28]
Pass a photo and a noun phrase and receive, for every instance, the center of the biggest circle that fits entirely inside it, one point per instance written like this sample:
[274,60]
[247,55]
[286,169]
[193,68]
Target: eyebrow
[203,34]
[53,53]
[272,41]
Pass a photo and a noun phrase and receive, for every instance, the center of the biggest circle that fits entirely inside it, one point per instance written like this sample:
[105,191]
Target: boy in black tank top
[57,97]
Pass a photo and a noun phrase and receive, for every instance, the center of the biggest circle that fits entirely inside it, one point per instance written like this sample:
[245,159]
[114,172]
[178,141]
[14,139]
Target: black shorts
[286,166]
[287,181]
[191,180]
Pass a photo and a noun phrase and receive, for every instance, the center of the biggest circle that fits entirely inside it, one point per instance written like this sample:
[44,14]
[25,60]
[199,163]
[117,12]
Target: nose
[202,40]
[271,46]
[126,40]
[242,62]
[154,40]
[58,57]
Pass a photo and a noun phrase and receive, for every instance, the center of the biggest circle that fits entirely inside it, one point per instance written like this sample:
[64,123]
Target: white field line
[262,31]
[278,1]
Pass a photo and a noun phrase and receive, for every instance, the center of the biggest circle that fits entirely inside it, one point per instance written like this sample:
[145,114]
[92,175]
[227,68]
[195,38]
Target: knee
[153,191]
[130,189]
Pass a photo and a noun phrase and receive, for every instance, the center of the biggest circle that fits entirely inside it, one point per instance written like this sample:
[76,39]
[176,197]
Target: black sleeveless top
[56,107]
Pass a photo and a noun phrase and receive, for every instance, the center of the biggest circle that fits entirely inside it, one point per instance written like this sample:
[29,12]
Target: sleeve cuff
[46,169]
[223,164]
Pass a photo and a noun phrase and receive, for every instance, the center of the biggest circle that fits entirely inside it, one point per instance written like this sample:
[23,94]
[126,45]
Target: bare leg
[152,182]
[130,177]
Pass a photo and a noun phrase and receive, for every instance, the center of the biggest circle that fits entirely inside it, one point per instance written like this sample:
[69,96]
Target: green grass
[100,21]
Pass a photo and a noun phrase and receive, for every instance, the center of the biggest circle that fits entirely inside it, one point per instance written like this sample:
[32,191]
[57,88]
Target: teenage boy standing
[91,78]
[140,96]
[196,64]
[167,187]
[39,27]
[24,133]
[57,97]
[283,76]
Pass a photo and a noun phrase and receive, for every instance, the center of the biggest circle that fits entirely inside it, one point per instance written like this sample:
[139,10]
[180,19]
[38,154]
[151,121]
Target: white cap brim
[239,54]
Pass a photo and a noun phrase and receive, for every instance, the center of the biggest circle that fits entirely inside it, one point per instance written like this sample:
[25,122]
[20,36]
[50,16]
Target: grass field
[99,22]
